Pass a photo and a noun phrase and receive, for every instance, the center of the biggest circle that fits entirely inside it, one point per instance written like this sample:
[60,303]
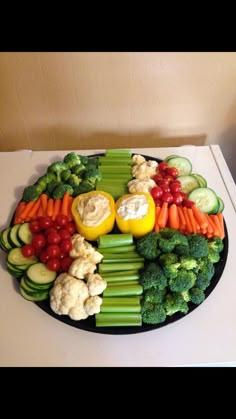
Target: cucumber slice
[24,234]
[4,239]
[188,183]
[16,258]
[170,157]
[205,199]
[37,297]
[12,236]
[201,180]
[37,287]
[40,274]
[183,165]
[221,204]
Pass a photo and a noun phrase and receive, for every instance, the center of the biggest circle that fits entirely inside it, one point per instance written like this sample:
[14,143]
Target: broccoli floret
[171,271]
[183,281]
[51,186]
[30,194]
[153,276]
[154,295]
[147,246]
[83,187]
[79,170]
[56,169]
[153,313]
[182,250]
[60,191]
[83,159]
[216,244]
[185,295]
[175,302]
[71,159]
[197,295]
[65,175]
[205,273]
[166,245]
[213,256]
[41,184]
[73,181]
[93,175]
[198,246]
[188,263]
[167,232]
[167,259]
[92,162]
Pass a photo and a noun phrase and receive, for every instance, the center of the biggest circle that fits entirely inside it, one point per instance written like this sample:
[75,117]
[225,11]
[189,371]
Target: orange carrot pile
[189,220]
[43,207]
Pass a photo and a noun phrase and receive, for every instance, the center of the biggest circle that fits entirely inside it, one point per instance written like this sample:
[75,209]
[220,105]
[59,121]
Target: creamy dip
[93,210]
[134,207]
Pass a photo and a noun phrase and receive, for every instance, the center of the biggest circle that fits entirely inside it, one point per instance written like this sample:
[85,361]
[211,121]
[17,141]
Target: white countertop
[31,337]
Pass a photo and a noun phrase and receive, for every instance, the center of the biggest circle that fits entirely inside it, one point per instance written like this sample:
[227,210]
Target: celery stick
[116,152]
[114,240]
[126,161]
[115,169]
[125,290]
[118,319]
[122,307]
[111,279]
[118,249]
[125,259]
[121,273]
[116,181]
[122,176]
[107,301]
[112,267]
[123,283]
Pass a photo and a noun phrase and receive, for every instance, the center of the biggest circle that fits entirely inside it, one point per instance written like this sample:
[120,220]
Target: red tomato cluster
[51,242]
[169,188]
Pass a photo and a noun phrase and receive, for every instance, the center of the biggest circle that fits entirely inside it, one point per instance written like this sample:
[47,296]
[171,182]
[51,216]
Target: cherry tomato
[65,263]
[175,187]
[28,250]
[163,182]
[54,238]
[34,226]
[53,251]
[162,166]
[64,234]
[169,178]
[177,198]
[167,197]
[172,171]
[188,204]
[71,228]
[62,220]
[66,246]
[63,254]
[39,241]
[184,195]
[53,264]
[45,223]
[51,230]
[157,177]
[43,256]
[165,188]
[156,192]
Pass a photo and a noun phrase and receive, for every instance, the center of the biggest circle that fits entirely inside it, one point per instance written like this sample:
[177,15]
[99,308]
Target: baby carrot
[163,215]
[182,222]
[222,227]
[71,199]
[65,204]
[50,207]
[44,201]
[34,209]
[56,209]
[26,210]
[156,226]
[200,217]
[173,217]
[19,210]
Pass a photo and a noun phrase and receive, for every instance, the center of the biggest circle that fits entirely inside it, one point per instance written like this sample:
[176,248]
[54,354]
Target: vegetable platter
[117,243]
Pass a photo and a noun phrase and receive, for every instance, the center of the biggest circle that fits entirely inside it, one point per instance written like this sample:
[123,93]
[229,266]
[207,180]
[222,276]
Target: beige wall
[88,100]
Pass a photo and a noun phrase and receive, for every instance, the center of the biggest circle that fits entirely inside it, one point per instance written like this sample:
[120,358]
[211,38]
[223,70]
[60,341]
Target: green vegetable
[30,193]
[204,274]
[114,240]
[121,304]
[175,302]
[51,186]
[115,153]
[197,295]
[71,159]
[74,181]
[93,175]
[154,295]
[84,187]
[183,281]
[57,168]
[126,257]
[120,276]
[79,170]
[118,319]
[60,191]
[123,290]
[113,267]
[65,175]
[216,244]
[117,249]
[153,313]
[147,246]
[187,262]
[198,246]
[152,276]
[213,256]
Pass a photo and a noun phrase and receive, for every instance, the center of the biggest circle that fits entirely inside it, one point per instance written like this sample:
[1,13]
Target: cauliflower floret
[81,267]
[147,169]
[68,296]
[93,305]
[95,257]
[96,284]
[80,247]
[138,159]
[144,185]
